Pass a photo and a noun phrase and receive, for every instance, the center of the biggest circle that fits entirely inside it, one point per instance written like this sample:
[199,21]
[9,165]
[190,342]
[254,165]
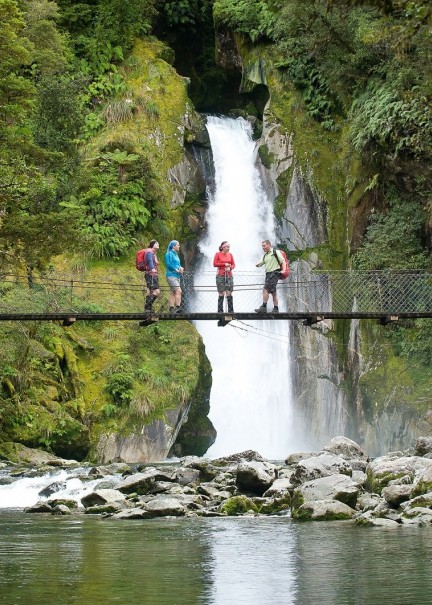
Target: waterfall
[251,402]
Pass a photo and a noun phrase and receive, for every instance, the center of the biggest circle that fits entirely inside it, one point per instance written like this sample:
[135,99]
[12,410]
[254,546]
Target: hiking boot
[178,310]
[275,310]
[261,309]
[171,310]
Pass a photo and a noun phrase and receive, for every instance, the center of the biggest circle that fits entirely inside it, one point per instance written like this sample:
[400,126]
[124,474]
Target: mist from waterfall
[251,401]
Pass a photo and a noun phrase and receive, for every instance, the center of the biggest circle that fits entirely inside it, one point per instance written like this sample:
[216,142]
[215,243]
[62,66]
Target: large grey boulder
[139,483]
[388,468]
[323,510]
[164,506]
[279,487]
[423,446]
[320,466]
[396,494]
[346,448]
[298,456]
[422,500]
[366,502]
[255,477]
[334,487]
[186,476]
[368,520]
[102,496]
[417,516]
[423,482]
[213,492]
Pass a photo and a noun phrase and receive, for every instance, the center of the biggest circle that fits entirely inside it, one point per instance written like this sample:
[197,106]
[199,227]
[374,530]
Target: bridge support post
[224,321]
[386,319]
[313,319]
[148,321]
[69,321]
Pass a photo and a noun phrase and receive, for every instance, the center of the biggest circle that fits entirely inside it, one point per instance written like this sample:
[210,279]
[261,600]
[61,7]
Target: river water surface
[82,560]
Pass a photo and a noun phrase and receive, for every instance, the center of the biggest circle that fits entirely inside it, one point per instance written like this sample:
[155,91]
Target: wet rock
[346,448]
[423,446]
[423,482]
[213,492]
[204,466]
[296,458]
[255,477]
[387,468]
[185,476]
[334,487]
[323,465]
[246,456]
[396,494]
[164,507]
[359,478]
[133,513]
[366,502]
[323,510]
[52,488]
[102,509]
[71,504]
[39,507]
[238,505]
[102,496]
[423,500]
[61,509]
[279,487]
[139,483]
[367,520]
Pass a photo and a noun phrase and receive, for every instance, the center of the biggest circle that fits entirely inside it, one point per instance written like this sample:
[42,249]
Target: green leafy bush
[117,204]
[393,239]
[392,118]
[252,18]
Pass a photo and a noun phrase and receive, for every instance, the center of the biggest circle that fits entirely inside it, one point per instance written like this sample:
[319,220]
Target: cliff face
[347,378]
[117,391]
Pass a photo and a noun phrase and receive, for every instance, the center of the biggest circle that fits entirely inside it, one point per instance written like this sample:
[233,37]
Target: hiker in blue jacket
[174,271]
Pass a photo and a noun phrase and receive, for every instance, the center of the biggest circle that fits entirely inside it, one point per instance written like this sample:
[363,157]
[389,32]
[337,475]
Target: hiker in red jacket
[224,261]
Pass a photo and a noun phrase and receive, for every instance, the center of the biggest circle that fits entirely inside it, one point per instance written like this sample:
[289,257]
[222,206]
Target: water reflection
[48,560]
[252,561]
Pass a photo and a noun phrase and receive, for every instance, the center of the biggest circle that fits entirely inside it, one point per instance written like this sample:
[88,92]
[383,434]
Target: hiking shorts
[174,283]
[152,281]
[271,280]
[224,283]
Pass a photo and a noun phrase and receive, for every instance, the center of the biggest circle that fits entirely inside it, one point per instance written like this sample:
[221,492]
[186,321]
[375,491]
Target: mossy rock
[297,500]
[376,482]
[238,505]
[276,505]
[422,487]
[322,510]
[266,157]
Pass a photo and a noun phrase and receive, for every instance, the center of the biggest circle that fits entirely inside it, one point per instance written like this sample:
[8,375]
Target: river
[82,560]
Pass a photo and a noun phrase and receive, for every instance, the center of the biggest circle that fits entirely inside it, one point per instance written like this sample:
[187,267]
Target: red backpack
[284,274]
[140,263]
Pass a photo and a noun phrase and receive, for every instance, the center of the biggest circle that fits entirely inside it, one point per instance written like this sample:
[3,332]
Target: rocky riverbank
[338,483]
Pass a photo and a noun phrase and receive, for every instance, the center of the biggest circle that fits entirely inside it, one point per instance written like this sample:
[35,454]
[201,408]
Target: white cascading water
[250,404]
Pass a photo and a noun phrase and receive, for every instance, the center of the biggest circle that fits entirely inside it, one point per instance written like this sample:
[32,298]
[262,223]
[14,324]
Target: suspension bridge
[317,295]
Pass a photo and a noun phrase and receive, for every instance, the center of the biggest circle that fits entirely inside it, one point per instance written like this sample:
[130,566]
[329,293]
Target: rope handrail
[318,292]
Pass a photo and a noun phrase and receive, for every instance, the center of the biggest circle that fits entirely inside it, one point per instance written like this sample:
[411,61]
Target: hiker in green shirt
[274,264]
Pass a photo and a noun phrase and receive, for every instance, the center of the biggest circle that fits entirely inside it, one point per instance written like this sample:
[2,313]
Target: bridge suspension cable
[385,295]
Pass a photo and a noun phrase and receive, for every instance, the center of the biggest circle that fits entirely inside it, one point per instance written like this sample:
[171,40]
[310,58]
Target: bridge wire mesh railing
[342,292]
